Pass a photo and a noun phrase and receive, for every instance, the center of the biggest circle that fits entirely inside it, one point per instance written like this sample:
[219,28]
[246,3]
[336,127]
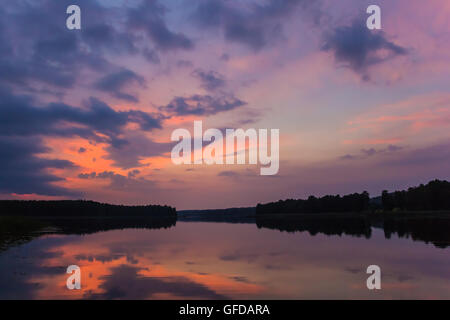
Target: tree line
[430,197]
[80,208]
[355,202]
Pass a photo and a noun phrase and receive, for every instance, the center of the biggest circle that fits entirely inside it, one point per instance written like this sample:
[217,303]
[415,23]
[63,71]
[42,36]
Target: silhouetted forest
[433,196]
[355,202]
[430,197]
[80,208]
[22,221]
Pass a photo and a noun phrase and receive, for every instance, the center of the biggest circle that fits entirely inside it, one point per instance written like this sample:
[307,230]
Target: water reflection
[84,225]
[435,230]
[16,231]
[353,225]
[429,228]
[219,261]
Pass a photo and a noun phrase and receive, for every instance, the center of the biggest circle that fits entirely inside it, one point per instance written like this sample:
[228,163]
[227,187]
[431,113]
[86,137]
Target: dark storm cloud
[40,56]
[254,25]
[5,47]
[44,64]
[22,171]
[358,48]
[19,116]
[149,17]
[24,125]
[115,84]
[137,147]
[104,36]
[202,105]
[46,52]
[210,80]
[50,54]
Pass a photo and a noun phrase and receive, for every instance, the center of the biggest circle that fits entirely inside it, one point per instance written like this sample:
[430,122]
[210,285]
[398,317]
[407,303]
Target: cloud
[24,124]
[149,18]
[225,57]
[133,173]
[239,256]
[130,154]
[348,157]
[432,157]
[231,174]
[22,171]
[151,56]
[254,25]
[120,182]
[201,105]
[358,48]
[115,83]
[369,152]
[184,64]
[365,153]
[97,121]
[210,80]
[42,50]
[102,35]
[48,54]
[393,148]
[85,176]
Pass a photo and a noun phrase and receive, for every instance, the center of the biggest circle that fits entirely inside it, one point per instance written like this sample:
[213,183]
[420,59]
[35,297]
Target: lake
[211,260]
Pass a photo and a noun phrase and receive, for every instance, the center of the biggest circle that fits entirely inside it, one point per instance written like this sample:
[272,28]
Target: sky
[88,114]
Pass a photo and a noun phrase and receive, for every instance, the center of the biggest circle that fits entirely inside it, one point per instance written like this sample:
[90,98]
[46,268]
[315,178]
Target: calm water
[201,260]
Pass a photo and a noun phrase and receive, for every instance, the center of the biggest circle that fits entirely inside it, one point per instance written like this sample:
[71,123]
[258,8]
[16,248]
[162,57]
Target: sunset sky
[88,114]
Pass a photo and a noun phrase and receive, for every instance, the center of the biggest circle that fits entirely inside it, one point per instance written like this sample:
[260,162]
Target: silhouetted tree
[433,196]
[80,208]
[355,202]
